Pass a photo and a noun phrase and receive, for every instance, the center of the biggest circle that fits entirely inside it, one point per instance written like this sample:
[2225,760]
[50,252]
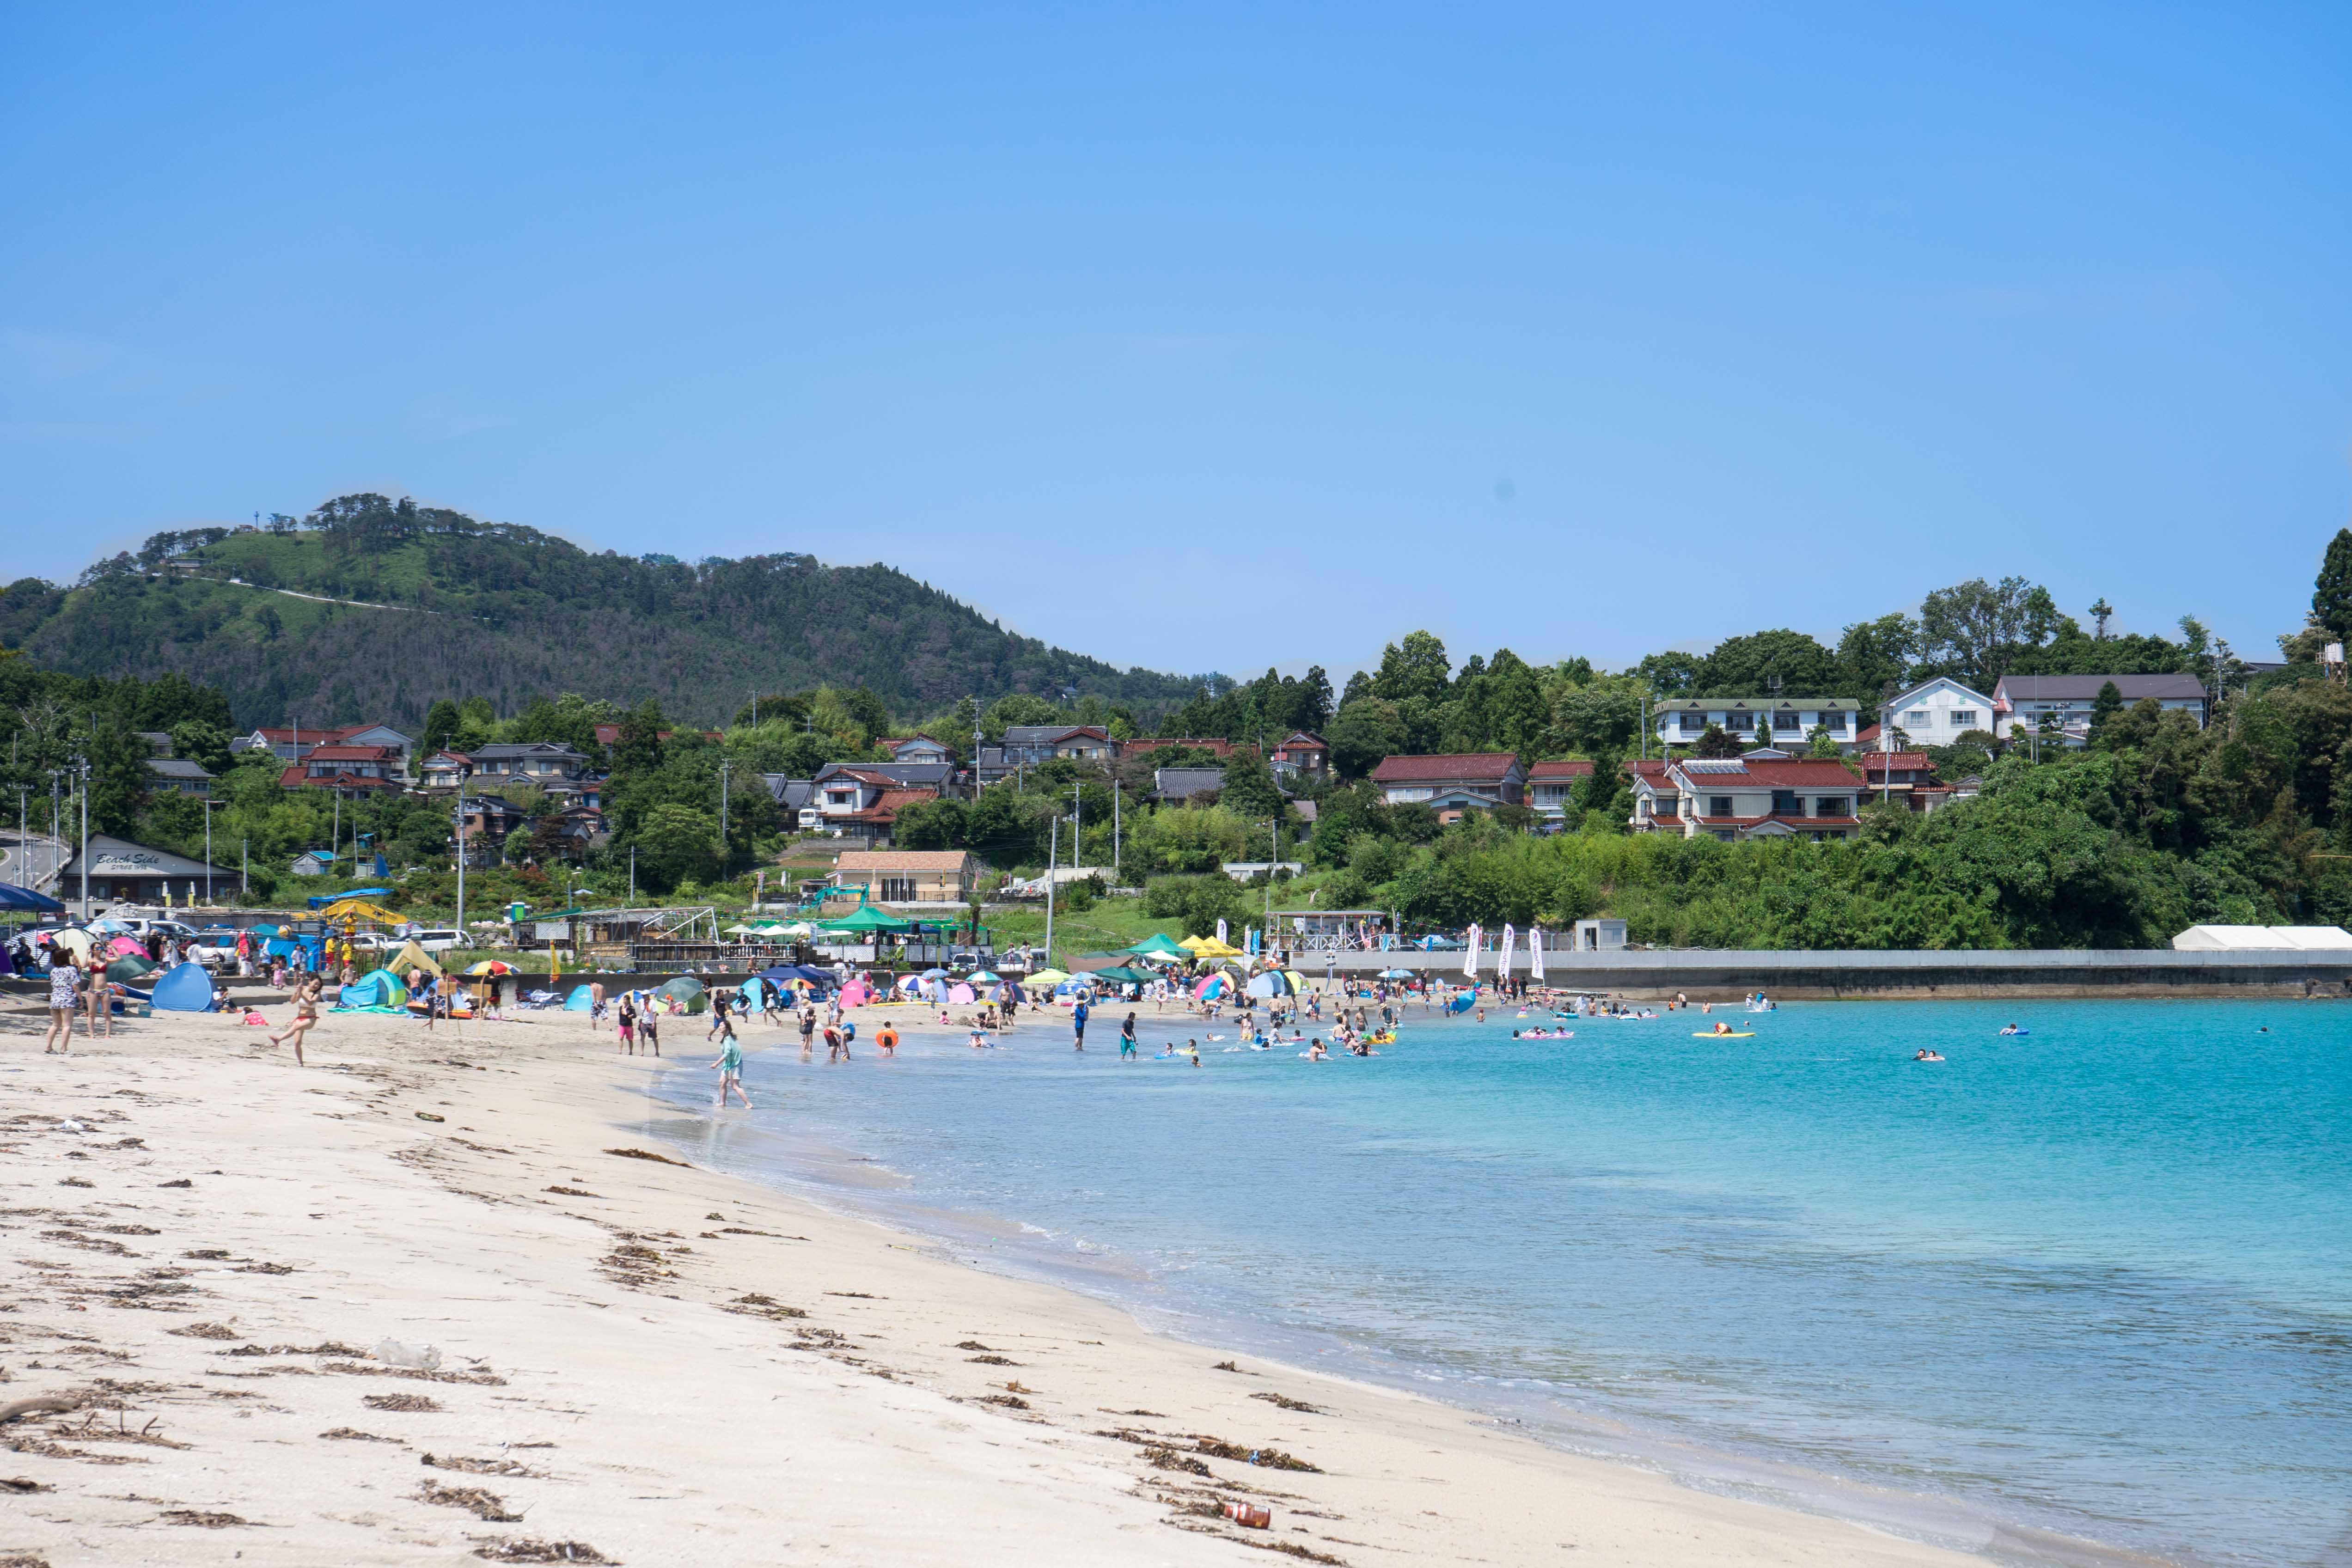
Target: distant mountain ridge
[448,605]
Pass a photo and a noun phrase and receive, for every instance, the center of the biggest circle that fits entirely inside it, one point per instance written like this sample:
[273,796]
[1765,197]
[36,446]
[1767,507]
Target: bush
[1198,901]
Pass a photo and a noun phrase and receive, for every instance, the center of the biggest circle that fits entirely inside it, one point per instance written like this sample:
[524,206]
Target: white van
[439,940]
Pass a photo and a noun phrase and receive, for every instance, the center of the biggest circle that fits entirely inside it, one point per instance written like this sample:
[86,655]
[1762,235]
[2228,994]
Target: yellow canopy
[1210,947]
[360,909]
[409,952]
[1194,944]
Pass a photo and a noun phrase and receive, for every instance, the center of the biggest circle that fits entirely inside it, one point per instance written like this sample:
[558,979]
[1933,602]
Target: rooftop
[2083,688]
[904,860]
[1450,768]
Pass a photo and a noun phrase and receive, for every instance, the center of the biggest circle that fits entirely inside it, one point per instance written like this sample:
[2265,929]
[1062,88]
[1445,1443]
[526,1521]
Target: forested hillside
[508,612]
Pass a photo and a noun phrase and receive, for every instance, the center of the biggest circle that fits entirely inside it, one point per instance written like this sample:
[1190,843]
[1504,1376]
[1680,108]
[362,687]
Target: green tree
[2331,595]
[2104,707]
[1975,630]
[1249,787]
[1746,666]
[1715,741]
[119,778]
[1874,655]
[1361,734]
[440,729]
[1417,667]
[676,843]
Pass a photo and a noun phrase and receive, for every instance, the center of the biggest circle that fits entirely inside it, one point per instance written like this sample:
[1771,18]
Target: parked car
[440,940]
[1440,944]
[170,930]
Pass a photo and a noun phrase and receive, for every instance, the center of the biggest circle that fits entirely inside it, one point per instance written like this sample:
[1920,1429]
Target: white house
[2066,700]
[1746,798]
[1682,720]
[1937,712]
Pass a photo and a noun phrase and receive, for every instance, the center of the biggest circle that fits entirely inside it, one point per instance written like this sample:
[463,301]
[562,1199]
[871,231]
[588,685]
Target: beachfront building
[1789,721]
[909,876]
[347,770]
[1549,788]
[2063,702]
[1455,783]
[1739,798]
[120,872]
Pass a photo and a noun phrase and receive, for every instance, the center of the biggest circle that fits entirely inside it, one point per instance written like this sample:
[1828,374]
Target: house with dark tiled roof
[1738,798]
[295,742]
[2063,702]
[1454,783]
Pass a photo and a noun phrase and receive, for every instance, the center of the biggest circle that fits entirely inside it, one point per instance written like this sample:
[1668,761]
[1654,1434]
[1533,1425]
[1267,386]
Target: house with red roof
[346,770]
[1741,798]
[1454,783]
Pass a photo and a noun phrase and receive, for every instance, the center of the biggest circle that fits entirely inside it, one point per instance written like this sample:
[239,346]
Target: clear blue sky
[1207,335]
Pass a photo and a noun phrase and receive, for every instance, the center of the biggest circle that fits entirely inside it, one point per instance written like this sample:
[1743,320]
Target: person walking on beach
[1078,1024]
[729,1068]
[306,1016]
[649,1026]
[808,1028]
[719,1009]
[724,1028]
[1127,1037]
[629,1035]
[64,1001]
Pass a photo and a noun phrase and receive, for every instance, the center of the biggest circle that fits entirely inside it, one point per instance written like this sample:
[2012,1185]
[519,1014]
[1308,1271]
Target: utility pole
[85,838]
[24,826]
[1114,827]
[208,804]
[632,876]
[461,862]
[1077,807]
[1053,849]
[244,867]
[1273,858]
[724,857]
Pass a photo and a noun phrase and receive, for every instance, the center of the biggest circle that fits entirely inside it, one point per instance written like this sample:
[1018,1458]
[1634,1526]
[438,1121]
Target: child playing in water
[729,1068]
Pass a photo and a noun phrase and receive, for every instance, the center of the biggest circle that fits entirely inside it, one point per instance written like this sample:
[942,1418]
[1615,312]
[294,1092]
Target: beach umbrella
[739,929]
[1047,977]
[1395,974]
[125,948]
[1210,947]
[491,966]
[910,984]
[687,992]
[935,974]
[983,977]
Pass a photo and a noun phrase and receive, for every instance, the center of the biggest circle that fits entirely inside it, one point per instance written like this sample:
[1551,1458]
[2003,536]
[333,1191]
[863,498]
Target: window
[1834,722]
[1718,805]
[1918,718]
[1964,718]
[1737,723]
[897,890]
[1693,724]
[1786,802]
[1834,806]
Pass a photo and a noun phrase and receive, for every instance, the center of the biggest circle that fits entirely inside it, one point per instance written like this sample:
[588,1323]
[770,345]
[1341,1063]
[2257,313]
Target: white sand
[646,1419]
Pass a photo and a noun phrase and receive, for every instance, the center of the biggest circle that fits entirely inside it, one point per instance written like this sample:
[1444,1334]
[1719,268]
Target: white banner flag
[1470,953]
[1535,952]
[1510,944]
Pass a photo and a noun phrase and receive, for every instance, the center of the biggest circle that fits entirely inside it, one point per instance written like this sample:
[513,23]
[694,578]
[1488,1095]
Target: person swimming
[1927,1055]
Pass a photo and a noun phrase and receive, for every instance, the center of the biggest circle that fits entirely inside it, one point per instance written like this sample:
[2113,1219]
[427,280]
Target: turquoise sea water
[2096,1280]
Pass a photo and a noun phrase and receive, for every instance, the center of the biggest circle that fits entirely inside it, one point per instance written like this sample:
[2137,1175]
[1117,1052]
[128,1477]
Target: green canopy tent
[1122,975]
[868,919]
[1158,946]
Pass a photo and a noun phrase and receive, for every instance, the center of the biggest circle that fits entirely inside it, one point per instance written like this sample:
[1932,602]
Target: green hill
[453,606]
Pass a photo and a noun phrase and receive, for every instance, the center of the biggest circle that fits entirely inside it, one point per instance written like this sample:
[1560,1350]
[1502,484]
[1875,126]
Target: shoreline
[664,1362]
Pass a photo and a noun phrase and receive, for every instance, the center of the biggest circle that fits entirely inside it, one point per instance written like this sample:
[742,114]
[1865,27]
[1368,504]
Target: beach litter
[424,1357]
[1250,1515]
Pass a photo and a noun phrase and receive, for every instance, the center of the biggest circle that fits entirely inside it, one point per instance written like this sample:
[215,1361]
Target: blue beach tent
[186,990]
[579,1001]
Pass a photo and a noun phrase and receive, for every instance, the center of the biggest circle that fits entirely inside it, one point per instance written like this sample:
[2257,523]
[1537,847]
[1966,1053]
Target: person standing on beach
[628,1036]
[649,1026]
[1127,1037]
[1078,1024]
[887,1039]
[719,1009]
[64,1001]
[306,1016]
[596,1004]
[808,1028]
[102,997]
[729,1068]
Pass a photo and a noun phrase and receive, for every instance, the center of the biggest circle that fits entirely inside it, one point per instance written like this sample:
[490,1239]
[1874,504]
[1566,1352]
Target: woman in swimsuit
[306,1014]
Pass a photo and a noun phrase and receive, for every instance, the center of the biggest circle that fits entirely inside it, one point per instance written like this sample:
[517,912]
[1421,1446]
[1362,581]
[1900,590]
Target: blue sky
[1206,335]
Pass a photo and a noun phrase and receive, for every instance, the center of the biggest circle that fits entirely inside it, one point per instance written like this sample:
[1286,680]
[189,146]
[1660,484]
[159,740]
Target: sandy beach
[637,1360]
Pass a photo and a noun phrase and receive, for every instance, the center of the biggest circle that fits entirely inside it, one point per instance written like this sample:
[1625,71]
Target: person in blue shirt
[1078,1024]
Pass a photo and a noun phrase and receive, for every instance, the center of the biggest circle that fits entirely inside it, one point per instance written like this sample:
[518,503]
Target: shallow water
[2096,1280]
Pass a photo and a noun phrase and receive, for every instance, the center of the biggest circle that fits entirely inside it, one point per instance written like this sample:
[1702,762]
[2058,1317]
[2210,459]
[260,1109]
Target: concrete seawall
[1796,975]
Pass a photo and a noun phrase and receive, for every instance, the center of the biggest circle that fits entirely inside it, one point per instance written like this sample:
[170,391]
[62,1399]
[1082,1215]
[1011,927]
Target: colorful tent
[411,955]
[1122,975]
[377,991]
[130,966]
[1272,983]
[959,995]
[1158,946]
[1209,989]
[580,1001]
[186,990]
[689,993]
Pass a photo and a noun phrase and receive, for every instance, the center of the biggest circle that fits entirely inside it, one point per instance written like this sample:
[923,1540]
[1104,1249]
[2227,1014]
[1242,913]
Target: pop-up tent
[579,1001]
[689,993]
[378,991]
[128,970]
[186,990]
[411,955]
